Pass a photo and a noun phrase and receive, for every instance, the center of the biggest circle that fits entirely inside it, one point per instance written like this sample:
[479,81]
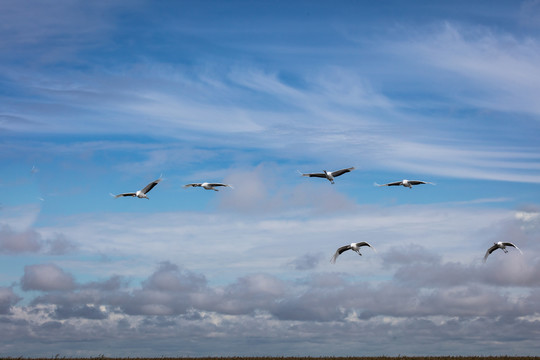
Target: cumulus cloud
[408,254]
[31,241]
[83,311]
[19,242]
[169,277]
[428,295]
[168,291]
[46,277]
[59,245]
[528,220]
[307,261]
[248,294]
[420,288]
[8,298]
[512,269]
[115,282]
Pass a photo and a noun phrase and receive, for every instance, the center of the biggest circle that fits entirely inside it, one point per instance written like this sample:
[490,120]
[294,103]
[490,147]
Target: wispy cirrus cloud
[490,69]
[314,121]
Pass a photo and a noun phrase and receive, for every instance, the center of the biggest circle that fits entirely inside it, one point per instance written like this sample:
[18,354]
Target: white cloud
[257,241]
[178,302]
[12,242]
[314,122]
[496,70]
[46,277]
[468,162]
[19,218]
[8,299]
[30,241]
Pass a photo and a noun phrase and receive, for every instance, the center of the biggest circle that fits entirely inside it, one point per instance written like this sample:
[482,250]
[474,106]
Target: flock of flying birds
[330,176]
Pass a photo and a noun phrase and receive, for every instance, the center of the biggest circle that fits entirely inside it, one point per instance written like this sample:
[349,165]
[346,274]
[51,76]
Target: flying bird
[141,193]
[207,186]
[406,183]
[354,246]
[500,245]
[330,175]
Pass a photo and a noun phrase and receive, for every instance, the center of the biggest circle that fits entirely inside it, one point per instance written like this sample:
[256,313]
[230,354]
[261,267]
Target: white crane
[330,175]
[500,245]
[141,193]
[207,186]
[406,183]
[354,246]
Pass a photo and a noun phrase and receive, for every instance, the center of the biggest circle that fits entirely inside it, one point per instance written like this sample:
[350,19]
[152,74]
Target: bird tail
[300,172]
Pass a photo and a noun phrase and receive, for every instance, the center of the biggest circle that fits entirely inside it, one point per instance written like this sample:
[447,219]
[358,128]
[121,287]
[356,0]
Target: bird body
[330,175]
[353,246]
[406,183]
[500,245]
[207,186]
[141,194]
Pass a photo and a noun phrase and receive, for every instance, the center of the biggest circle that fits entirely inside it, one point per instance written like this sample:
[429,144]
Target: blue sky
[104,97]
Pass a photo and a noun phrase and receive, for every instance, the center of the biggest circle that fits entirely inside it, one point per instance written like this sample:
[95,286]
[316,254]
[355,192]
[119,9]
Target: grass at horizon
[499,357]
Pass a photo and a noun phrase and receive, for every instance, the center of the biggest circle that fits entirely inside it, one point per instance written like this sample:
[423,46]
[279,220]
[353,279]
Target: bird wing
[363,243]
[512,245]
[418,182]
[338,252]
[397,183]
[342,171]
[218,184]
[192,185]
[124,194]
[489,251]
[150,186]
[321,175]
